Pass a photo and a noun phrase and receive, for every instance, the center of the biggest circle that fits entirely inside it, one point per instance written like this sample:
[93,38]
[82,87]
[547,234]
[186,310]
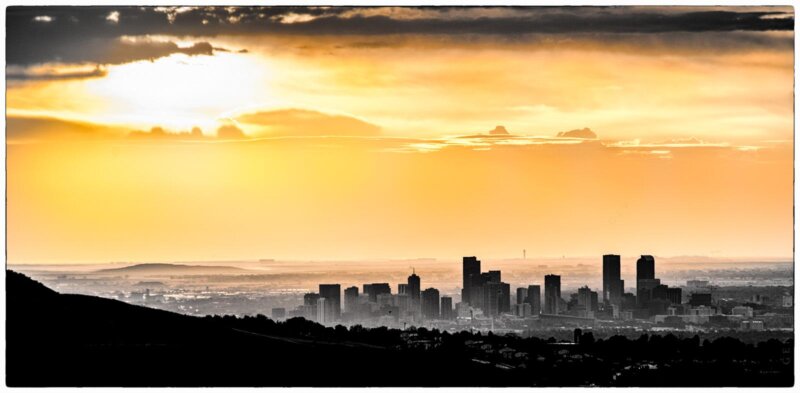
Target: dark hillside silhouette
[75,340]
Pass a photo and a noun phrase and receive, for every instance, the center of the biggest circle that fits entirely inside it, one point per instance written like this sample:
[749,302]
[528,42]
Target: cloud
[160,133]
[126,51]
[302,122]
[584,133]
[70,29]
[229,131]
[53,73]
[30,129]
[499,130]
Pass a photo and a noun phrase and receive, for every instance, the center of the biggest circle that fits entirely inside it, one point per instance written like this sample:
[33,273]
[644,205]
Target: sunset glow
[366,144]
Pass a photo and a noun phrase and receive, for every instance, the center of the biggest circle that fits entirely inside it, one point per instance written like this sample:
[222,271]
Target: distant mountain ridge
[172,268]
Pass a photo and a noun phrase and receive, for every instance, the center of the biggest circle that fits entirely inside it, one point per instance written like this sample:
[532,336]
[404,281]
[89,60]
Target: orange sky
[365,145]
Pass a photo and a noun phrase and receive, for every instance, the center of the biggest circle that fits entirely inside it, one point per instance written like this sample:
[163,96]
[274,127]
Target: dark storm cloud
[75,34]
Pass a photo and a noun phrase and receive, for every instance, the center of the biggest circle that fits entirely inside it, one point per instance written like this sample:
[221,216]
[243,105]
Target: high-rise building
[646,268]
[611,277]
[375,289]
[310,304]
[413,288]
[333,292]
[522,295]
[471,274]
[324,310]
[664,292]
[446,310]
[310,299]
[430,303]
[552,293]
[505,297]
[492,294]
[535,299]
[493,276]
[351,299]
[402,289]
[587,299]
[645,279]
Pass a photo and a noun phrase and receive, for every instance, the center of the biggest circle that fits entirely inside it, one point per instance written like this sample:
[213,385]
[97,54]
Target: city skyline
[301,133]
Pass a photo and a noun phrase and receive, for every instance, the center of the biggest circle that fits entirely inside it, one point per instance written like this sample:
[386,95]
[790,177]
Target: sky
[211,133]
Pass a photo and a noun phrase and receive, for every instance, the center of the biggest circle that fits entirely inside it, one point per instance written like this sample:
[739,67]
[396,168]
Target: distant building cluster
[485,302]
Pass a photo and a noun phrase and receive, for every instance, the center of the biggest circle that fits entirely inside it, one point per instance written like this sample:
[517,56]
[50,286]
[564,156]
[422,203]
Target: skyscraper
[587,299]
[535,299]
[522,295]
[375,289]
[447,307]
[324,310]
[351,299]
[492,293]
[645,279]
[430,303]
[471,275]
[611,277]
[552,293]
[505,297]
[646,268]
[333,292]
[413,290]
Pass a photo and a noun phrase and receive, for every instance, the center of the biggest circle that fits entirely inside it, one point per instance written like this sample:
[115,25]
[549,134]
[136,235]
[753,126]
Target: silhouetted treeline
[75,340]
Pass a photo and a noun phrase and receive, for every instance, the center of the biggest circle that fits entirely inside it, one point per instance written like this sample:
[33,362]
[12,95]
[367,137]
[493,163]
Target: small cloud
[113,17]
[584,133]
[499,130]
[43,19]
[303,122]
[293,17]
[229,131]
[159,133]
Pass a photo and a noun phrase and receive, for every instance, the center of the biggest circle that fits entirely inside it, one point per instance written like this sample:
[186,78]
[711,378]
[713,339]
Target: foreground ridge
[76,340]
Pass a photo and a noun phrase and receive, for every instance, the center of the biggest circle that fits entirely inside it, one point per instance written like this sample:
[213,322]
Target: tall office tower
[351,300]
[430,303]
[552,293]
[446,310]
[375,289]
[402,289]
[492,294]
[413,289]
[611,277]
[494,276]
[324,310]
[334,293]
[645,278]
[587,298]
[522,295]
[471,274]
[646,268]
[535,299]
[505,297]
[403,304]
[617,292]
[310,303]
[310,299]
